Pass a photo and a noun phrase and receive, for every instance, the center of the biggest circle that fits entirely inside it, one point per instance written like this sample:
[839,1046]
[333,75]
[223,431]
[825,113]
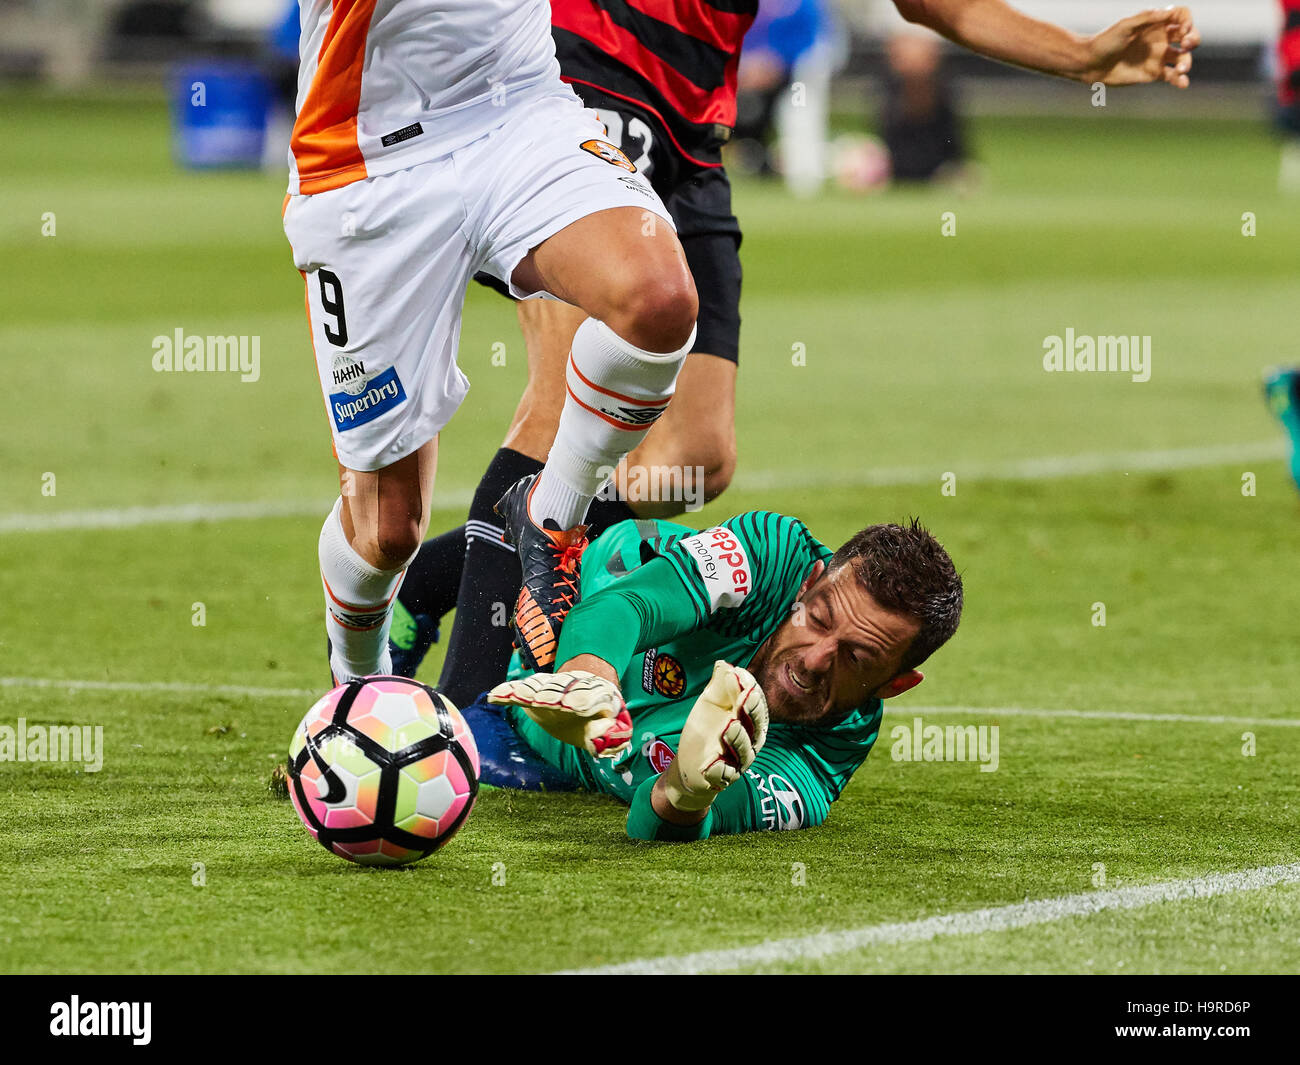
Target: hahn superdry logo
[723,566]
[780,805]
[348,374]
[610,153]
[362,399]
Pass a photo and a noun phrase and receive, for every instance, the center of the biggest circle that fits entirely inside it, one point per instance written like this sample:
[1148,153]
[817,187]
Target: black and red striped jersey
[675,59]
[1288,54]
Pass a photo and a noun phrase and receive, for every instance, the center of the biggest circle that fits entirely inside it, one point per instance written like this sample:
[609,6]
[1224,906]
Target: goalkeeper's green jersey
[668,601]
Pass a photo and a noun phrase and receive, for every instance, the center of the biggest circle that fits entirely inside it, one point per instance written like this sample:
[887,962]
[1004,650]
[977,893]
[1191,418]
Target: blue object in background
[789,29]
[283,39]
[219,113]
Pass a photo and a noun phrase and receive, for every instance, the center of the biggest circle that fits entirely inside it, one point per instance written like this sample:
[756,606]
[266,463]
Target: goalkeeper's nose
[816,661]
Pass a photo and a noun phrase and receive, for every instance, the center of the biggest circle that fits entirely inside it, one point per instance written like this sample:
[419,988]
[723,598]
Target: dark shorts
[699,200]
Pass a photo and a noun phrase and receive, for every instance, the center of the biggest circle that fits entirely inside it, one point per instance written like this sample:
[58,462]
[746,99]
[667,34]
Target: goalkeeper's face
[838,649]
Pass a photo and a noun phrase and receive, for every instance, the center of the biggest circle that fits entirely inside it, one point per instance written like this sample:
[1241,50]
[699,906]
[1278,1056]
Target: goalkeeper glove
[724,732]
[577,707]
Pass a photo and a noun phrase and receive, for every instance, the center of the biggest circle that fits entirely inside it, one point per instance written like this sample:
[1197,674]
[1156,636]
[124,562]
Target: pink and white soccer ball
[383,771]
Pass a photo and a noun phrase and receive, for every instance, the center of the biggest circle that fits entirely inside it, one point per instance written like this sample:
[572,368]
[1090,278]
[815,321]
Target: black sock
[433,578]
[478,652]
[606,512]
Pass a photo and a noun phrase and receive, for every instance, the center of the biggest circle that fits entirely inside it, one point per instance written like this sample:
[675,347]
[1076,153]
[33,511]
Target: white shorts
[387,259]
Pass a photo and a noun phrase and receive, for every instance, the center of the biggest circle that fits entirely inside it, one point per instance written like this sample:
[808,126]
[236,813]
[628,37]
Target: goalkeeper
[723,681]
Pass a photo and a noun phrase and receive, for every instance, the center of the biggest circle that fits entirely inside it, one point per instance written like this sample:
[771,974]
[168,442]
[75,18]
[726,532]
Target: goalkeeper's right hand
[723,734]
[577,707]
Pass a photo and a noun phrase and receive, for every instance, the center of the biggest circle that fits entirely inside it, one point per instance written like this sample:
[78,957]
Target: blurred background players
[784,102]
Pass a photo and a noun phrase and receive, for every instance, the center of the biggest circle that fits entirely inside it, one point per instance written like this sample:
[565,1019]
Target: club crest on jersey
[361,400]
[669,676]
[610,153]
[659,755]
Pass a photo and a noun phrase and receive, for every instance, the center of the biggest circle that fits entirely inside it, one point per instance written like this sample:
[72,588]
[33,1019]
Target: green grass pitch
[922,356]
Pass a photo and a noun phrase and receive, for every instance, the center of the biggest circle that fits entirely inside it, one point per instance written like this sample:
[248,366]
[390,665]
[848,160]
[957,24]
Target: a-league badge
[670,678]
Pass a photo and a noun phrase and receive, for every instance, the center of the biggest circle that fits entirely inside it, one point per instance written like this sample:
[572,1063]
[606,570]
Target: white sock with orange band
[616,392]
[358,605]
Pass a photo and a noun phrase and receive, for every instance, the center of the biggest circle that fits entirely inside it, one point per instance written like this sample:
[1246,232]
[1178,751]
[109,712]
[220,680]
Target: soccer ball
[383,771]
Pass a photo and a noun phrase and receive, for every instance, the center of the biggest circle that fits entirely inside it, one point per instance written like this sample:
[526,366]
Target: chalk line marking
[973,922]
[1046,468]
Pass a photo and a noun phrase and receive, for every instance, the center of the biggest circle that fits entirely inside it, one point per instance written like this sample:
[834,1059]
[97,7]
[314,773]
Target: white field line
[1047,468]
[902,711]
[1050,467]
[973,922]
[160,686]
[895,714]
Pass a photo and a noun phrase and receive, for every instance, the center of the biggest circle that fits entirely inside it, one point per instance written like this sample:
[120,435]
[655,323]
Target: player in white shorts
[435,139]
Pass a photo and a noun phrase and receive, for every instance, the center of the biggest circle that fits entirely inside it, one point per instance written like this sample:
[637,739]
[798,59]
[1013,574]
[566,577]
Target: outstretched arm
[1154,45]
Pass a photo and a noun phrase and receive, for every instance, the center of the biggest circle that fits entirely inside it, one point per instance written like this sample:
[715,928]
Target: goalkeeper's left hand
[575,707]
[724,732]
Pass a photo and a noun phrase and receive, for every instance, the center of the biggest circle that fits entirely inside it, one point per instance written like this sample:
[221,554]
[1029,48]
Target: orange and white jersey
[386,84]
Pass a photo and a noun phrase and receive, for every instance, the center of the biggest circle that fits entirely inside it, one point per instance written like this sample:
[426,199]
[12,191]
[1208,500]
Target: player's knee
[398,542]
[712,462]
[391,544]
[657,312]
[719,469]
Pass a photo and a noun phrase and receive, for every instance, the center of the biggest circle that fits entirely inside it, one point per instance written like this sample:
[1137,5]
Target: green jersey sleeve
[643,609]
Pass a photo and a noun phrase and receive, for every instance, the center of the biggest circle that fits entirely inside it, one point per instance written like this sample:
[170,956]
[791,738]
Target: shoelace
[570,557]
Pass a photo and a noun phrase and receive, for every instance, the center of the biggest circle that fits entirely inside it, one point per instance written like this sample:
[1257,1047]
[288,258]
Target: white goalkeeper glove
[577,707]
[724,732]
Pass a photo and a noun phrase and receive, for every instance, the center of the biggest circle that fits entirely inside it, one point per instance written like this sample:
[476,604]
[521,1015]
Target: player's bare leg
[696,433]
[370,536]
[626,269]
[689,457]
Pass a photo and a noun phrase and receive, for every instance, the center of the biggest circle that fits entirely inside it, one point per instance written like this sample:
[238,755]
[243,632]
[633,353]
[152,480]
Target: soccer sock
[433,577]
[478,651]
[606,512]
[616,392]
[358,604]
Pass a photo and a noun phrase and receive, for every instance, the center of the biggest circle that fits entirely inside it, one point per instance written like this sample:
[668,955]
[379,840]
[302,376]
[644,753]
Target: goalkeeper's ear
[814,574]
[902,683]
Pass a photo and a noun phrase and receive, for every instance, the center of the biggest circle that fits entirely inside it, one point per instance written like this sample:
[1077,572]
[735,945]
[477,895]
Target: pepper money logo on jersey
[723,566]
[362,399]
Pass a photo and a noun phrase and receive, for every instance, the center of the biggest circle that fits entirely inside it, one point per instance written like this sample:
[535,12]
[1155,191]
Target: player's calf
[358,604]
[372,533]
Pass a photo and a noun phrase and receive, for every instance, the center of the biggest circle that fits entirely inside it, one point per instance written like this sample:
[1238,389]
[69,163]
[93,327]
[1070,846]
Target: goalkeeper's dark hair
[907,570]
